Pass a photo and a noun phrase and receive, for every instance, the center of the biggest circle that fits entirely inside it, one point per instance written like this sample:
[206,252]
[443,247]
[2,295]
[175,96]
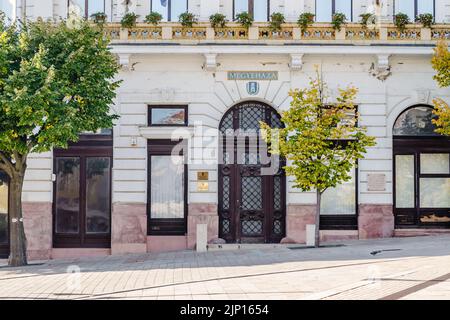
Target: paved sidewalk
[415,268]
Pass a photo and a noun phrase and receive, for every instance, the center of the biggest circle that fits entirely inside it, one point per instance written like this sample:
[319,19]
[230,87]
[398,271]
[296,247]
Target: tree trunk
[18,242]
[317,220]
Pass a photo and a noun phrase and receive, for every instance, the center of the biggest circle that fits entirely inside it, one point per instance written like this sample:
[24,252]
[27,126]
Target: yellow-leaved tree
[441,63]
[321,140]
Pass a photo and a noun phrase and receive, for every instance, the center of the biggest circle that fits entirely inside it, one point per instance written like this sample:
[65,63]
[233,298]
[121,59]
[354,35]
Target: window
[434,180]
[6,6]
[167,116]
[167,188]
[340,200]
[85,8]
[414,7]
[415,121]
[169,9]
[326,8]
[258,9]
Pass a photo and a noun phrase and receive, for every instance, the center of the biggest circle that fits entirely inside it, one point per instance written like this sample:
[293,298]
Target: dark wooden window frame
[169,9]
[165,227]
[86,7]
[343,221]
[89,145]
[416,145]
[416,11]
[333,9]
[4,247]
[251,9]
[184,107]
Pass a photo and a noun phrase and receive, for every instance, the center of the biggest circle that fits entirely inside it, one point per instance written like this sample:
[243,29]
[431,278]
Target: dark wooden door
[82,197]
[251,194]
[4,219]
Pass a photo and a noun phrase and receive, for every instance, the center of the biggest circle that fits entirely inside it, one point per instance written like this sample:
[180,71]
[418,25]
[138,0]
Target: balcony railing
[289,33]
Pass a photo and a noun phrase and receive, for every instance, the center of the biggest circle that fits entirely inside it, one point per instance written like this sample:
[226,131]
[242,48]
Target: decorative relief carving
[284,34]
[361,34]
[408,34]
[382,70]
[231,33]
[189,33]
[319,34]
[145,33]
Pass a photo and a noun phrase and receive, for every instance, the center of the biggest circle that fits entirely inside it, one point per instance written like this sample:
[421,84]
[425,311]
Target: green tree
[321,140]
[56,81]
[441,63]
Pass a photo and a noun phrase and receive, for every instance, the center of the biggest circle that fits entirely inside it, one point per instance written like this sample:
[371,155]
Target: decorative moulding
[296,63]
[382,69]
[210,62]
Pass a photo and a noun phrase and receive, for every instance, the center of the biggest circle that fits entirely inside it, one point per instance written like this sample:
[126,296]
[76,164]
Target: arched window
[326,8]
[415,121]
[258,9]
[169,9]
[421,170]
[414,7]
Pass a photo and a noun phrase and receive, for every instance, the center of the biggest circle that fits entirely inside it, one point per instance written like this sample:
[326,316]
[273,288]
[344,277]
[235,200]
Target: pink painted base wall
[338,235]
[37,219]
[297,217]
[166,243]
[129,228]
[202,213]
[375,221]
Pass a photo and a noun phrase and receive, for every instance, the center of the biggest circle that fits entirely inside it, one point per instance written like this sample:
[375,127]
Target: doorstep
[252,246]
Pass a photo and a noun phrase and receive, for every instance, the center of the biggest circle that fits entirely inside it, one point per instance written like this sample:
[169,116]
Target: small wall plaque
[202,175]
[376,182]
[202,186]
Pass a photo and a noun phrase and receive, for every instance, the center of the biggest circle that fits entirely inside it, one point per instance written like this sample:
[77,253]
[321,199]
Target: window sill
[167,132]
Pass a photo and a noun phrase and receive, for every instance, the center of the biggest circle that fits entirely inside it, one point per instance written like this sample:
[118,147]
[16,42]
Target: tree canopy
[57,80]
[441,63]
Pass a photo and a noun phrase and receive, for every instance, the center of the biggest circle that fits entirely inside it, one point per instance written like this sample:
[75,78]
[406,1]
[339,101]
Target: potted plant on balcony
[426,19]
[338,20]
[367,18]
[400,21]
[305,20]
[187,19]
[129,20]
[245,19]
[153,18]
[218,20]
[99,18]
[276,20]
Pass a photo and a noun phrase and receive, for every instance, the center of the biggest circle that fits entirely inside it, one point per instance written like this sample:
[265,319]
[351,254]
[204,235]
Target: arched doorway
[421,171]
[252,206]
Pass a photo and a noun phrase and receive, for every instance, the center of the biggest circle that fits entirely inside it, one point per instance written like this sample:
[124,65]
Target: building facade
[124,190]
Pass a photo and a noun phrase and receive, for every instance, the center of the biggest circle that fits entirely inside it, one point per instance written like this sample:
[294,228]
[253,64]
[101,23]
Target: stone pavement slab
[411,268]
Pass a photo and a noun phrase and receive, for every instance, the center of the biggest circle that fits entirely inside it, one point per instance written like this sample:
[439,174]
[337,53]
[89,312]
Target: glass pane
[404,181]
[251,227]
[251,189]
[434,163]
[98,195]
[76,7]
[405,6]
[67,195]
[341,199]
[345,7]
[95,6]
[3,209]
[260,10]
[415,122]
[167,187]
[162,7]
[173,116]
[425,6]
[435,192]
[177,8]
[7,7]
[240,6]
[323,10]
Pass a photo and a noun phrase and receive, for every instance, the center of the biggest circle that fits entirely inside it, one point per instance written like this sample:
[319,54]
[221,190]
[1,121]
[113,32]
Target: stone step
[419,232]
[251,246]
